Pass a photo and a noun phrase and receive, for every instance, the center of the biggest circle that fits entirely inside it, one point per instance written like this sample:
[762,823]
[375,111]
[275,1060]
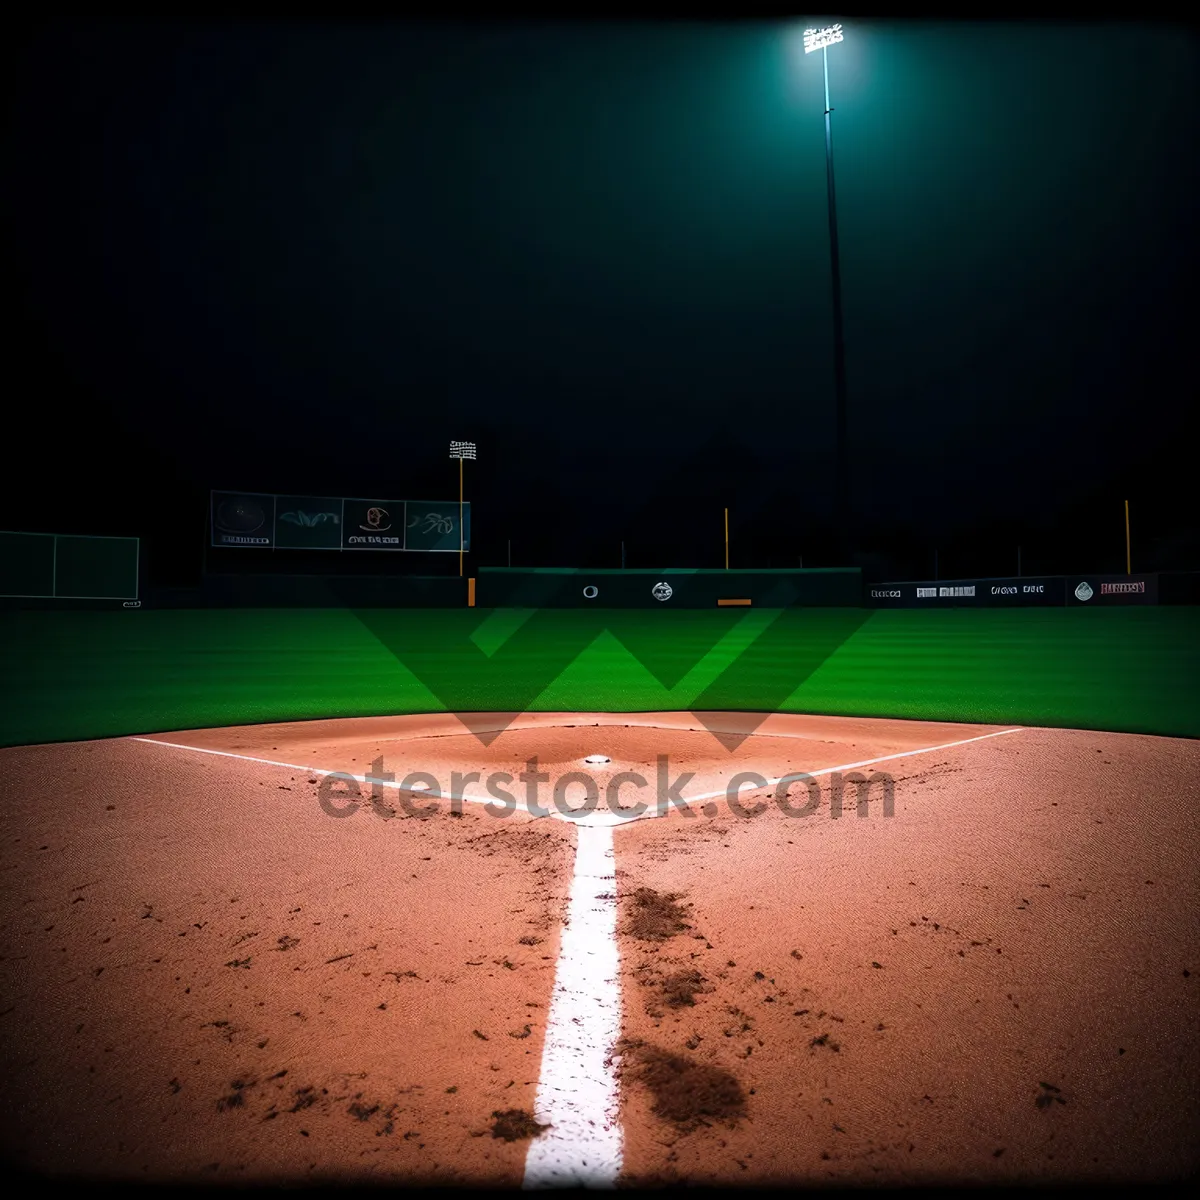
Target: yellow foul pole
[460,510]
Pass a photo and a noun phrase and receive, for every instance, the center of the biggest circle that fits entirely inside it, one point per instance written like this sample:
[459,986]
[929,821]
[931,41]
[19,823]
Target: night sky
[294,257]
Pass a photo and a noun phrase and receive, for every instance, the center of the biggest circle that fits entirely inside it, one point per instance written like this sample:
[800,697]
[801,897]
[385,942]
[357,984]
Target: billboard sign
[373,525]
[308,523]
[433,525]
[243,519]
[1015,591]
[1097,591]
[291,522]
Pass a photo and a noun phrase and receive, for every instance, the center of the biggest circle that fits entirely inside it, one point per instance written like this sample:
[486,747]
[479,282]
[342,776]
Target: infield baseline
[577,1094]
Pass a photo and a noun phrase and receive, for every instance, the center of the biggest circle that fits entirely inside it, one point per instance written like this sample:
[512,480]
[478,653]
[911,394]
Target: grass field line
[596,817]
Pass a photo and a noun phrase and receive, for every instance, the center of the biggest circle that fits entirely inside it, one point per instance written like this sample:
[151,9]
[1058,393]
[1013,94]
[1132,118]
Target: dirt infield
[219,963]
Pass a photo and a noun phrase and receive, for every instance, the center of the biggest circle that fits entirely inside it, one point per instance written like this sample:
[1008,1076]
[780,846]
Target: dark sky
[303,257]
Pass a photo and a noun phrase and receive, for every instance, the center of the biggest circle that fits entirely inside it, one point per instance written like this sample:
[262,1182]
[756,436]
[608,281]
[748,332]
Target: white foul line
[342,775]
[577,1092]
[584,817]
[577,1086]
[866,762]
[577,1096]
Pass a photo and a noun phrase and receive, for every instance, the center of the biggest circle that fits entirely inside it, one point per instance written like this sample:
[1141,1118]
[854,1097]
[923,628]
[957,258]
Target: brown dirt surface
[204,977]
[988,986]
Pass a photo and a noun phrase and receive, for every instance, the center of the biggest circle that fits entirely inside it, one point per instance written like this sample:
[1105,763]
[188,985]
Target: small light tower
[461,451]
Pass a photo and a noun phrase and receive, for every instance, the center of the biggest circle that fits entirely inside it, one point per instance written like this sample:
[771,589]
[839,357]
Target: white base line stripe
[583,817]
[577,1095]
[342,775]
[577,1087]
[866,762]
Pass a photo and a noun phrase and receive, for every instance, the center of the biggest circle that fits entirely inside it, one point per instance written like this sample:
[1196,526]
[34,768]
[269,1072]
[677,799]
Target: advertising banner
[433,525]
[373,525]
[981,593]
[264,521]
[1103,590]
[243,519]
[308,523]
[665,589]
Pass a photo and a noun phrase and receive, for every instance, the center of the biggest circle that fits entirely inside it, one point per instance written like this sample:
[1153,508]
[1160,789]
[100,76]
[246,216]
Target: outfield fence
[1082,591]
[666,588]
[65,570]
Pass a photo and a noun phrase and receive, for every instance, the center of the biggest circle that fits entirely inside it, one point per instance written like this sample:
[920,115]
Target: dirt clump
[515,1124]
[687,1093]
[655,916]
[680,989]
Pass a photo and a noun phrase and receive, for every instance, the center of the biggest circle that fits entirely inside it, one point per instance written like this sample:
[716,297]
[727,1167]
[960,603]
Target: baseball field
[817,896]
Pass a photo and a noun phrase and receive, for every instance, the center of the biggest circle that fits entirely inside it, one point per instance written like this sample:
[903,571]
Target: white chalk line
[577,1085]
[577,1095]
[585,816]
[341,775]
[866,762]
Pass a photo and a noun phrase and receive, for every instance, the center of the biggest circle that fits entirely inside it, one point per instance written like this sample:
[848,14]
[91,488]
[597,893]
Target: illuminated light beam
[818,39]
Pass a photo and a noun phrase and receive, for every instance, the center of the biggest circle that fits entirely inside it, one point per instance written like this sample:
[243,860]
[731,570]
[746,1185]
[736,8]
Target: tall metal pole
[461,450]
[841,482]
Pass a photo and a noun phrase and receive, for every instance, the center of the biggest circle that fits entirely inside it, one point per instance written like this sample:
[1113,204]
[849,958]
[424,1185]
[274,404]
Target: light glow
[818,39]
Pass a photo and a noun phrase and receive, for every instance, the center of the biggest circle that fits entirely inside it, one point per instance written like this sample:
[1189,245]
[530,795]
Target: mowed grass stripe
[97,674]
[100,674]
[1134,670]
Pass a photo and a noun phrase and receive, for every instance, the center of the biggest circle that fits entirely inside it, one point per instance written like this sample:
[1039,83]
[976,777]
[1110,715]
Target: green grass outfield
[83,675]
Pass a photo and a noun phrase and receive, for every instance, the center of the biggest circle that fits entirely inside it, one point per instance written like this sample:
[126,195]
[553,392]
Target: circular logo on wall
[240,516]
[591,591]
[1083,592]
[662,591]
[378,520]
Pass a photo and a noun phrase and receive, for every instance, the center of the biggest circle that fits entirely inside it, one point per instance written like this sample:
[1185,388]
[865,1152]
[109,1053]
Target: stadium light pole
[822,39]
[461,451]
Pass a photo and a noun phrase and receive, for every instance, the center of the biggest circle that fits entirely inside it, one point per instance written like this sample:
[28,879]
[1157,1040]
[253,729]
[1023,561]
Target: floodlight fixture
[819,39]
